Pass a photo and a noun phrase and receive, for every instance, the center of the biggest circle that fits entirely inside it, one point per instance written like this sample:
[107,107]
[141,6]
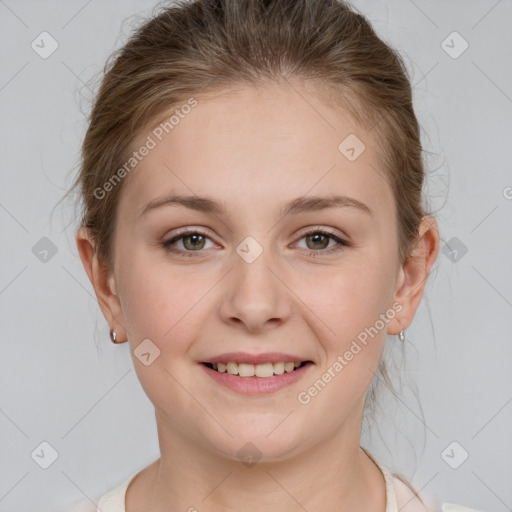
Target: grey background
[63,382]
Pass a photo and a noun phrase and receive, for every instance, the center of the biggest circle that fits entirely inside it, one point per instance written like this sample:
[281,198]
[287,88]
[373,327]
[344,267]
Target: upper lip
[245,357]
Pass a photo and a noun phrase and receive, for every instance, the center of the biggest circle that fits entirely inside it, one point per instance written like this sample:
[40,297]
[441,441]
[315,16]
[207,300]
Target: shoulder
[112,501]
[407,499]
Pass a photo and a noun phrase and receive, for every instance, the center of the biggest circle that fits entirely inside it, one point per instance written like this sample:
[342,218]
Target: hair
[200,46]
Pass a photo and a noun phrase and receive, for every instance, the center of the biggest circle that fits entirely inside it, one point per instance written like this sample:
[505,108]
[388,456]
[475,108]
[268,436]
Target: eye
[318,239]
[193,241]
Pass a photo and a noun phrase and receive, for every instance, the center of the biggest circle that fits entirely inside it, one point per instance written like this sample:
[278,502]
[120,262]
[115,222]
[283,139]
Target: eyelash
[314,254]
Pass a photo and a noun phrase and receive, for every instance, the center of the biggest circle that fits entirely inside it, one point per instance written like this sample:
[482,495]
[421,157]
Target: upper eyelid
[306,231]
[302,232]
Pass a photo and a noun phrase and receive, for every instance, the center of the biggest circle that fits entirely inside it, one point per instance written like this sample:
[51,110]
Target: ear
[413,275]
[102,279]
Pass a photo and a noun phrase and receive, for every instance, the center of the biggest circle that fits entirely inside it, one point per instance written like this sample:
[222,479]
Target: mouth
[257,371]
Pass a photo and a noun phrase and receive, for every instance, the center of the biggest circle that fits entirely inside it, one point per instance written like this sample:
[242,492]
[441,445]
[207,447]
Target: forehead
[268,143]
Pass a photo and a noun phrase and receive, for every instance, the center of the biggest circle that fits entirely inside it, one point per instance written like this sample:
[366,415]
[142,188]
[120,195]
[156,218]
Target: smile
[256,379]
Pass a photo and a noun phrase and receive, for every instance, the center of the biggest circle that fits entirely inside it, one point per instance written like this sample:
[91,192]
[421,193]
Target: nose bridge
[252,261]
[256,295]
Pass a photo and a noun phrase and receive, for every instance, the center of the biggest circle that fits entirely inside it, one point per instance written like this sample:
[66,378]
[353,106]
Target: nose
[255,295]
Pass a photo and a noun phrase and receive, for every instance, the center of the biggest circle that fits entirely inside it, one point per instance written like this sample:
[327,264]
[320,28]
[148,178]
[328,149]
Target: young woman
[254,227]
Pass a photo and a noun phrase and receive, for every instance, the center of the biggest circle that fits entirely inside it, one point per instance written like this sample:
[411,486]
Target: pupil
[194,238]
[316,236]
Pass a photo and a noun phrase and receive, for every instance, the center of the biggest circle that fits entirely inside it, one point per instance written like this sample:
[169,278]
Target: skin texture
[254,149]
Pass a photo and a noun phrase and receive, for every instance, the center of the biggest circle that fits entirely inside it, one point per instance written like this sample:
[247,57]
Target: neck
[334,475]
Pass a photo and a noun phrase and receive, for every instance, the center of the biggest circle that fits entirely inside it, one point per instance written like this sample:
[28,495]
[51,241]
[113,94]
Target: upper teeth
[258,370]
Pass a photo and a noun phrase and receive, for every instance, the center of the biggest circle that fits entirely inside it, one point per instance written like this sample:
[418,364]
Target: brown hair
[199,46]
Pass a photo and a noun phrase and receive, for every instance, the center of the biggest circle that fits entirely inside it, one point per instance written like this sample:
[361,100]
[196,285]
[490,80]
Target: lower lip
[256,385]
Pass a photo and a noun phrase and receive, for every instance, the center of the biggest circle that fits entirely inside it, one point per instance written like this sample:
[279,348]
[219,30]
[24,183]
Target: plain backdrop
[70,399]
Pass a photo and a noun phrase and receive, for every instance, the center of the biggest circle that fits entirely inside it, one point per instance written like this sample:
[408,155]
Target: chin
[259,447]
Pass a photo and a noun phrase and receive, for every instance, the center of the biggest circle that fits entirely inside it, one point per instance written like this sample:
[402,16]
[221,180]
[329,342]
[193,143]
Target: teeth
[258,370]
[263,370]
[246,370]
[278,368]
[289,367]
[232,368]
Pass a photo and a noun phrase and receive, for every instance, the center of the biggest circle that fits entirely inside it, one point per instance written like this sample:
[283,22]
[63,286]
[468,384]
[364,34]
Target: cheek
[352,296]
[352,336]
[348,303]
[161,302]
[163,307]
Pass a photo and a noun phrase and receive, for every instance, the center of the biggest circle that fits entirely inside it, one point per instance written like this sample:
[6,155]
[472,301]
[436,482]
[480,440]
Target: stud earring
[113,337]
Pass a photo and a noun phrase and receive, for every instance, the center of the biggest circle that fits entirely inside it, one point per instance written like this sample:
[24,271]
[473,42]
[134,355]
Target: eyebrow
[296,206]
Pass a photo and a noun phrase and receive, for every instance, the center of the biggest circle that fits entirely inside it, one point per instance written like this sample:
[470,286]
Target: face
[251,275]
